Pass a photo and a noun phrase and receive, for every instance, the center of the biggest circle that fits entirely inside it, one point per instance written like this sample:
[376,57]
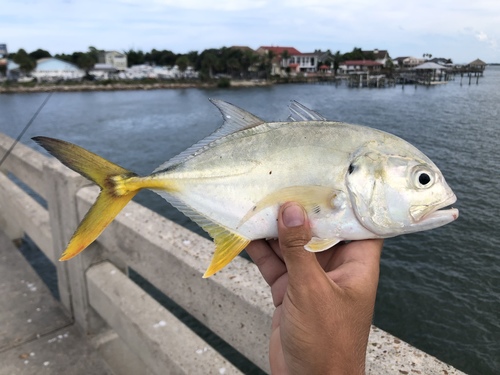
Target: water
[439,290]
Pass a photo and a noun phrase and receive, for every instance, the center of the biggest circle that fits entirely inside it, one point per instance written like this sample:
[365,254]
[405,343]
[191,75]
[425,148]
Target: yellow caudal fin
[111,178]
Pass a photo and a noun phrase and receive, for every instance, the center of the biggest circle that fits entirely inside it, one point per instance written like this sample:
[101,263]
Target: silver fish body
[355,182]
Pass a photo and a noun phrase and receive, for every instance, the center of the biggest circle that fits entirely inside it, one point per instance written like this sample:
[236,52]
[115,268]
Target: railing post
[61,186]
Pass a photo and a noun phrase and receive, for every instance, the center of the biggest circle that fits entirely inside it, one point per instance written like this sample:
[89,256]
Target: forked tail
[111,178]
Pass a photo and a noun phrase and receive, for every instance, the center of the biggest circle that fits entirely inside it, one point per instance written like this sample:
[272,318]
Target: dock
[106,323]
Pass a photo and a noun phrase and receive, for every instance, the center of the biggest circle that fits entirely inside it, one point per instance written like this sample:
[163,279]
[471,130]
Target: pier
[103,321]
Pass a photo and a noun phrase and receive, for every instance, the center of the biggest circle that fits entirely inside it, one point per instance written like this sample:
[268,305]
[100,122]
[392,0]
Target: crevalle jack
[354,182]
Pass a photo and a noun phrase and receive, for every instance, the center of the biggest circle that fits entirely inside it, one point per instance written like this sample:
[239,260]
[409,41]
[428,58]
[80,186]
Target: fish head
[396,190]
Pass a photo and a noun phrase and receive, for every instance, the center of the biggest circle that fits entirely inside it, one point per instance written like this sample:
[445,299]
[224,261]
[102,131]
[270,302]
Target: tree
[135,58]
[26,63]
[284,57]
[182,63]
[39,54]
[355,54]
[209,62]
[86,62]
[337,58]
[192,57]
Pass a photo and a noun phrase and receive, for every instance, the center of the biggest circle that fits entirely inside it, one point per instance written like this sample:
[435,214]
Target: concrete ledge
[387,354]
[25,163]
[236,303]
[162,342]
[36,336]
[21,209]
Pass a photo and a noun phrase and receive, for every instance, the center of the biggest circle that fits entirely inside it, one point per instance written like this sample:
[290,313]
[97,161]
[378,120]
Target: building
[3,55]
[409,61]
[116,59]
[360,66]
[380,56]
[13,72]
[307,62]
[51,69]
[478,65]
[289,59]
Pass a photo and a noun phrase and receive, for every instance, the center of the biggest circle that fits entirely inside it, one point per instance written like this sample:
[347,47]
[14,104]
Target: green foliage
[224,83]
[182,63]
[155,57]
[39,54]
[355,54]
[135,57]
[26,63]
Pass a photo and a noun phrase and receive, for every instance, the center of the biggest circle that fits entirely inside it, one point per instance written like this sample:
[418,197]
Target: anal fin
[227,246]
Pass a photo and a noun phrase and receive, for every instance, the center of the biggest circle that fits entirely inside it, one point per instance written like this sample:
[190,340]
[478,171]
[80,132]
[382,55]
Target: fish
[354,182]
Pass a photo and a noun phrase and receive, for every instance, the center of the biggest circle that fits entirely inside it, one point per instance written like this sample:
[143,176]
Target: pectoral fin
[313,198]
[320,244]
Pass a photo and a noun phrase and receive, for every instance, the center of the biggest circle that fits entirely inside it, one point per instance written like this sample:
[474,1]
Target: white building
[116,59]
[52,69]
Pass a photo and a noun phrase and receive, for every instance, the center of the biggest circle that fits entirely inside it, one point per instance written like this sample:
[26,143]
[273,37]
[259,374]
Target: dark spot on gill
[351,168]
[270,172]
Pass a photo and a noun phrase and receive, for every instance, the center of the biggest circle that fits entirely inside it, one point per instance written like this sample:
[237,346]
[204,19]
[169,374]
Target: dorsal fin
[235,119]
[300,112]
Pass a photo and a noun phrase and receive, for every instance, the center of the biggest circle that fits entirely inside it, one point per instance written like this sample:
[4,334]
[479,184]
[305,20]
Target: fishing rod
[25,128]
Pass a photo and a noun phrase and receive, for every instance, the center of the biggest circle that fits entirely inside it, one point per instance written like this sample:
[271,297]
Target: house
[478,65]
[296,61]
[409,61]
[360,66]
[431,72]
[52,69]
[116,59]
[442,61]
[278,63]
[381,56]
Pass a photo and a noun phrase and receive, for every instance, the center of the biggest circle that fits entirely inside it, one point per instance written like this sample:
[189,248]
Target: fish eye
[423,178]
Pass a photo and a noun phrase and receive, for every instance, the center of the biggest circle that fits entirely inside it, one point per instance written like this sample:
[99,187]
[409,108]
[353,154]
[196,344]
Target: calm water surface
[439,290]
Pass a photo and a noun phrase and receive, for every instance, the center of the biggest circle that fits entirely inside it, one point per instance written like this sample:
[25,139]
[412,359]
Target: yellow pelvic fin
[112,179]
[227,246]
[313,198]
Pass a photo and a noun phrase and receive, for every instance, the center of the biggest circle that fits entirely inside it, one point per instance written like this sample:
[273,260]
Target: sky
[460,30]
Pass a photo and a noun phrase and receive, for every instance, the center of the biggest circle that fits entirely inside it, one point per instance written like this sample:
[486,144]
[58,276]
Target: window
[312,60]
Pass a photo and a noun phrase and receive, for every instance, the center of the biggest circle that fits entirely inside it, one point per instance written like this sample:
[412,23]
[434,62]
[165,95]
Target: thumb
[294,233]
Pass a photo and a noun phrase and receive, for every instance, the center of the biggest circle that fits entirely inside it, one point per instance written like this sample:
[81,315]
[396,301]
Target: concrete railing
[133,332]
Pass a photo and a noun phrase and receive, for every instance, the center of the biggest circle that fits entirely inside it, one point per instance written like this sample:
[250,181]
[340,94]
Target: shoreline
[89,86]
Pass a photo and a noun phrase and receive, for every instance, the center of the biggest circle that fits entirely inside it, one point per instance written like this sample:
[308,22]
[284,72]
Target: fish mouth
[435,215]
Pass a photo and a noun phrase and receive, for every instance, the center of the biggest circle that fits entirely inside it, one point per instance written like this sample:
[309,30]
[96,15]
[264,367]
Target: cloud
[483,37]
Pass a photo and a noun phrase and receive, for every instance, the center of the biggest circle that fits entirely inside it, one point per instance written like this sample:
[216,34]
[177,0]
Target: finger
[294,233]
[269,263]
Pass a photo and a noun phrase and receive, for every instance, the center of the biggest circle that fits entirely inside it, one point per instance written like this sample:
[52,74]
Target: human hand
[324,301]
